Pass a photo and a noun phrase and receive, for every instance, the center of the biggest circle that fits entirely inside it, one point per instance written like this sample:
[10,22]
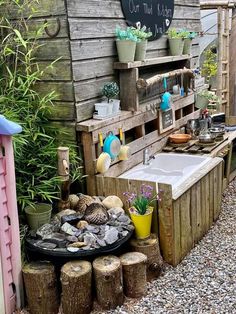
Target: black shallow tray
[32,249]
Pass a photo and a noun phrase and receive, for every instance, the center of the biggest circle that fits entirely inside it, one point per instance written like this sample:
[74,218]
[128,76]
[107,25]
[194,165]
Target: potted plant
[188,37]
[142,33]
[209,67]
[109,91]
[176,42]
[126,44]
[207,100]
[141,210]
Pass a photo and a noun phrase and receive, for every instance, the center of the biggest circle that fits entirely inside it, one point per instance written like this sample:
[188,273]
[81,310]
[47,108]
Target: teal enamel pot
[112,145]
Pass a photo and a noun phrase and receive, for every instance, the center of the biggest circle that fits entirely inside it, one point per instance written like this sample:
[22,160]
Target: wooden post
[134,274]
[64,173]
[76,281]
[150,248]
[41,288]
[108,281]
[63,163]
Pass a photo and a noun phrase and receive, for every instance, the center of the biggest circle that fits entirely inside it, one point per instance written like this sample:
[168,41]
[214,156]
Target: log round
[41,288]
[150,248]
[76,281]
[108,281]
[134,274]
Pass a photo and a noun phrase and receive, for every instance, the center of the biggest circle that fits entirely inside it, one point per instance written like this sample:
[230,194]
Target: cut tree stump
[134,274]
[41,288]
[150,248]
[108,281]
[76,281]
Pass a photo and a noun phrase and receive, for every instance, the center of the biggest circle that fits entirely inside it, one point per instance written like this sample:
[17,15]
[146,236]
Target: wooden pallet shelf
[149,62]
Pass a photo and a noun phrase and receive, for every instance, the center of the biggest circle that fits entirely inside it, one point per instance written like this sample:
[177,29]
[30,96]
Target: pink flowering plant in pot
[141,209]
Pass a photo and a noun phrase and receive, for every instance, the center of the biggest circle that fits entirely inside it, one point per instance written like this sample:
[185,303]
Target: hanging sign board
[154,14]
[166,120]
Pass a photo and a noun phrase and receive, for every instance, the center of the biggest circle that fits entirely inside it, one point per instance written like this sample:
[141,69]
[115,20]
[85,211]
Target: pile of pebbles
[205,281]
[95,224]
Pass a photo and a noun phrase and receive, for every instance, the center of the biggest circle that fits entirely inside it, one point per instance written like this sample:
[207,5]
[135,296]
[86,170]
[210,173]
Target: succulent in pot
[125,44]
[176,42]
[142,33]
[141,209]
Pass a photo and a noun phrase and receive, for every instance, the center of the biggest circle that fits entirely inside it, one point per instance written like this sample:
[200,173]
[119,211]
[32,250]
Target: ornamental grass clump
[141,202]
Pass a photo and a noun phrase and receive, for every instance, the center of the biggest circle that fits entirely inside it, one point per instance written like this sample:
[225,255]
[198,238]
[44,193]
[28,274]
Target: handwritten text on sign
[155,14]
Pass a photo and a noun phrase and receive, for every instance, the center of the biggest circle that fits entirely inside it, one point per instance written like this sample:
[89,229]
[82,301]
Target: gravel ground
[205,281]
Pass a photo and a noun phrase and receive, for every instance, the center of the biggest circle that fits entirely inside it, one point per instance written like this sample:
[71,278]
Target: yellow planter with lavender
[142,223]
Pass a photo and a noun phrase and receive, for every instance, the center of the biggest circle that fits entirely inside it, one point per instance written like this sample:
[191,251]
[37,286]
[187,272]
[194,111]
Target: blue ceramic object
[166,99]
[112,145]
[8,127]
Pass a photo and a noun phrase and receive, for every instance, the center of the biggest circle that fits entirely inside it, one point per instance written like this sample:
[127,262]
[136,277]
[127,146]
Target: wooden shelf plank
[153,61]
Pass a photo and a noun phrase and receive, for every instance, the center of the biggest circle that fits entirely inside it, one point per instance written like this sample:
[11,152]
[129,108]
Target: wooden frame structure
[223,75]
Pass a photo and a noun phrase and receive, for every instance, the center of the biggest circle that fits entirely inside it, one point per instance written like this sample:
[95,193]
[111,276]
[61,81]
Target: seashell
[73,249]
[112,201]
[96,214]
[83,203]
[82,224]
[77,244]
[73,199]
[96,199]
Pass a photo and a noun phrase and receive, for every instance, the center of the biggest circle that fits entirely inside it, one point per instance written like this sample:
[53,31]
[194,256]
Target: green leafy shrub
[209,67]
[36,148]
[174,33]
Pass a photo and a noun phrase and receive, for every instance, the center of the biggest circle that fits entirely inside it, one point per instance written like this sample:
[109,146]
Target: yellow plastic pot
[142,223]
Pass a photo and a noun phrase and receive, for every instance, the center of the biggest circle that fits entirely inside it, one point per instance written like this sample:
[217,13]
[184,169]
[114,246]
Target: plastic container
[38,215]
[142,223]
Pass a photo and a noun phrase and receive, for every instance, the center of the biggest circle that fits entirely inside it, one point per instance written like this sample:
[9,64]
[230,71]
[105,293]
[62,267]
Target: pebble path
[205,281]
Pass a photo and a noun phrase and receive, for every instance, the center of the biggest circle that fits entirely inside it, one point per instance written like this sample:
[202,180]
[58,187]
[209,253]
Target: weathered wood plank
[92,48]
[122,185]
[53,49]
[128,94]
[64,111]
[112,9]
[216,191]
[177,232]
[193,212]
[198,211]
[39,8]
[89,69]
[58,71]
[211,206]
[185,224]
[93,28]
[203,205]
[166,222]
[90,89]
[34,25]
[63,90]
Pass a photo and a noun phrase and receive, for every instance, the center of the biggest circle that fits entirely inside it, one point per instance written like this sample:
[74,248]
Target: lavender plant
[143,200]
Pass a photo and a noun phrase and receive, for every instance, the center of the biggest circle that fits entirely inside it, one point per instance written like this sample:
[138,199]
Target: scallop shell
[96,214]
[73,200]
[83,203]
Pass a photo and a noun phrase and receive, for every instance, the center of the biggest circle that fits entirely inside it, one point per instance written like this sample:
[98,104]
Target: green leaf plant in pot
[188,37]
[141,210]
[111,90]
[125,44]
[207,100]
[176,42]
[142,33]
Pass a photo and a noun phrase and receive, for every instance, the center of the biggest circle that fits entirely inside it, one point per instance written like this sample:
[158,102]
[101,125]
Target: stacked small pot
[129,51]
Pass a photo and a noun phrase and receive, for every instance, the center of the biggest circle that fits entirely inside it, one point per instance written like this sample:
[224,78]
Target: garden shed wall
[86,50]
